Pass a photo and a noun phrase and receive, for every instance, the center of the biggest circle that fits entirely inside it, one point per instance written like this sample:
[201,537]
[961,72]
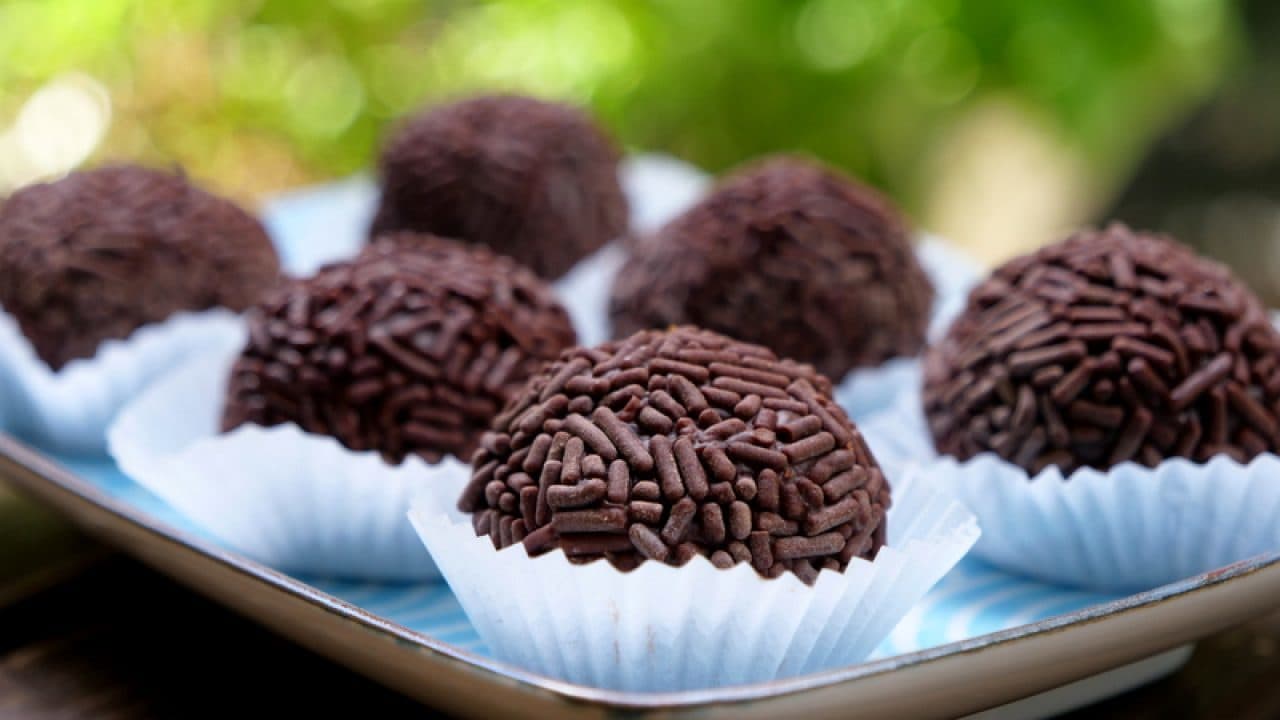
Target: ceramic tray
[980,640]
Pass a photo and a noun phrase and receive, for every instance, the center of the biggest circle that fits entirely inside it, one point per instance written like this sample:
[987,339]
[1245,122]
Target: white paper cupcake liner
[953,274]
[1131,528]
[584,292]
[331,223]
[899,435]
[297,502]
[659,187]
[328,223]
[867,391]
[318,225]
[68,411]
[862,393]
[662,628]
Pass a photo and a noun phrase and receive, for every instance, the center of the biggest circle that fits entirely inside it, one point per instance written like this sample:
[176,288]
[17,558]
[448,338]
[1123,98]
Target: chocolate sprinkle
[793,489]
[410,349]
[98,254]
[788,254]
[534,180]
[1106,347]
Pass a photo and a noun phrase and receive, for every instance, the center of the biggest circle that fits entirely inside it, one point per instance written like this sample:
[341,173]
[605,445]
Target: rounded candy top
[534,180]
[676,443]
[100,253]
[1108,346]
[411,348]
[788,254]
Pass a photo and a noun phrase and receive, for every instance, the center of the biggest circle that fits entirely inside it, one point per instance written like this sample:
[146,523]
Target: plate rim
[34,468]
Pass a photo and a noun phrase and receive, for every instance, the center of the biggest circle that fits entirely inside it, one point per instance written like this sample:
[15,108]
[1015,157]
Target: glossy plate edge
[945,681]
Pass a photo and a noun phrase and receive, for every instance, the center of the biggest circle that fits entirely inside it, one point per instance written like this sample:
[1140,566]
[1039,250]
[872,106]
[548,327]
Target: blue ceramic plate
[321,224]
[974,599]
[980,639]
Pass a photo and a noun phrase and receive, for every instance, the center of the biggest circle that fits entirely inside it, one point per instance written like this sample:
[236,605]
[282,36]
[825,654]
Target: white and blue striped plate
[970,604]
[325,223]
[974,599]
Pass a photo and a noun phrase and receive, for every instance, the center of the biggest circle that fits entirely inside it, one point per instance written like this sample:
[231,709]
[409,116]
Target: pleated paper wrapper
[661,628]
[331,223]
[68,411]
[865,392]
[297,502]
[862,393]
[1128,529]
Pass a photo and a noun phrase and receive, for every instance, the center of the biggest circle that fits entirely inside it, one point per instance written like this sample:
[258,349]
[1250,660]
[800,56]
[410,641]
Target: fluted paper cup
[867,391]
[1127,529]
[68,411]
[662,628]
[298,502]
[585,292]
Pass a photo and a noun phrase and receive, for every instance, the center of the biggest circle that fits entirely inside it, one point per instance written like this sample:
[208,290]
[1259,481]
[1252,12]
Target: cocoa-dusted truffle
[788,254]
[676,443]
[1109,346]
[410,349]
[531,179]
[98,254]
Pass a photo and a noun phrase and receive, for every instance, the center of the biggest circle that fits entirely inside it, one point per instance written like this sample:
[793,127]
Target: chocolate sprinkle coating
[98,254]
[788,254]
[410,349]
[534,180]
[1106,347]
[676,443]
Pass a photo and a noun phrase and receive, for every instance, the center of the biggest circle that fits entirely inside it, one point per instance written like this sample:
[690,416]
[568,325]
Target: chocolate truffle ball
[787,254]
[98,254]
[534,180]
[1106,347]
[410,349]
[676,443]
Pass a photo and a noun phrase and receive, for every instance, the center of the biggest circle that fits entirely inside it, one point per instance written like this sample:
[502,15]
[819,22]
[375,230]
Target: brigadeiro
[99,254]
[1110,346]
[789,254]
[680,510]
[534,180]
[676,443]
[410,349]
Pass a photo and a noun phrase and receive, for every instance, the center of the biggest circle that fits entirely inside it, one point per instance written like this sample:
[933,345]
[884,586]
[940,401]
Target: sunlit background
[999,123]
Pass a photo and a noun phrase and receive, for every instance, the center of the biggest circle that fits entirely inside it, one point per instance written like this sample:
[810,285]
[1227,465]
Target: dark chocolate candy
[676,443]
[411,348]
[1106,347]
[534,180]
[788,254]
[98,254]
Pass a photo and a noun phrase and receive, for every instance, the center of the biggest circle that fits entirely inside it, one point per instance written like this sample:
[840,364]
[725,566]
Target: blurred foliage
[261,94]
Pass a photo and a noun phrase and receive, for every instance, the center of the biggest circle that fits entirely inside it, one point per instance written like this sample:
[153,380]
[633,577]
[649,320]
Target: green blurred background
[998,123]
